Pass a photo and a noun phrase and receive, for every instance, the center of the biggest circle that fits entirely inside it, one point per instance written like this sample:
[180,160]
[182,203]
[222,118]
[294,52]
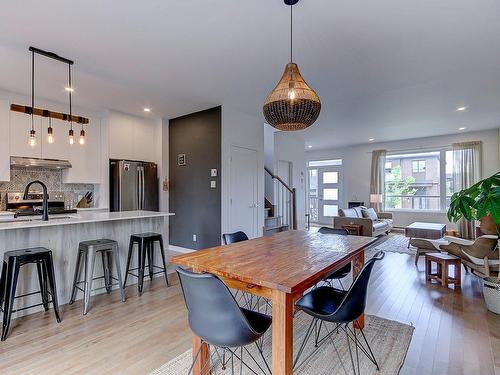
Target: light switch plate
[213,172]
[213,184]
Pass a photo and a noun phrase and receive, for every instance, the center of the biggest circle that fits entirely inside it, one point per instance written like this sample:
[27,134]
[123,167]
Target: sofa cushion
[348,212]
[380,225]
[369,213]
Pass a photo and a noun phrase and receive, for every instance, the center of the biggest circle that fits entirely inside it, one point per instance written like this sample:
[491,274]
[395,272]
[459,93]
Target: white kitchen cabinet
[4,141]
[85,159]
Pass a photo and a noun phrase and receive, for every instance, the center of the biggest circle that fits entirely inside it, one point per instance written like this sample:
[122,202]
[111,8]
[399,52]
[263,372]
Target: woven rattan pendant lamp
[292,105]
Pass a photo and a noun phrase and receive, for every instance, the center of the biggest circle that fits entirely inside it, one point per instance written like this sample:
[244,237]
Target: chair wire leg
[306,338]
[369,354]
[335,347]
[195,358]
[370,349]
[350,353]
[357,352]
[261,352]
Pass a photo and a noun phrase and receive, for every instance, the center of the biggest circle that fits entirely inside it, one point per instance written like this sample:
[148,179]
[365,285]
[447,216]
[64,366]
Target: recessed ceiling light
[461,109]
[462,128]
[69,89]
[309,146]
[147,109]
[371,139]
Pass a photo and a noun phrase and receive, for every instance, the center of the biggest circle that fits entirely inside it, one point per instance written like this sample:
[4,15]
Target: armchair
[481,255]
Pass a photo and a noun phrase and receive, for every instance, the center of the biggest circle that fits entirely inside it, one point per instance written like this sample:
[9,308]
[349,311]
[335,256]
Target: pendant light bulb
[71,136]
[82,137]
[50,133]
[32,140]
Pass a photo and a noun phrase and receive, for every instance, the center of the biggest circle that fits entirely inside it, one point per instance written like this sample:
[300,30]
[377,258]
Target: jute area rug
[389,341]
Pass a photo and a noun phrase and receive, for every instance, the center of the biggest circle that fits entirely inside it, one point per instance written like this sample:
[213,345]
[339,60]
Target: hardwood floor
[454,333]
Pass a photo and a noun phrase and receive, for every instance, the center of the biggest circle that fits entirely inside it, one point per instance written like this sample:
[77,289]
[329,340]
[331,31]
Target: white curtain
[377,181]
[466,172]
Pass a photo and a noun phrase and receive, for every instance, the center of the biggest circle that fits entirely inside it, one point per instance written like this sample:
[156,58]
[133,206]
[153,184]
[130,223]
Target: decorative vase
[488,226]
[491,293]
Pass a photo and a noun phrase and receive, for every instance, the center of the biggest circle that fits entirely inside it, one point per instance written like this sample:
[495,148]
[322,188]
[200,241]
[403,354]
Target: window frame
[442,181]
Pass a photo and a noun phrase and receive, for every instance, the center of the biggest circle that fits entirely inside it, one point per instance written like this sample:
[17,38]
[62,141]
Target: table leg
[357,264]
[444,274]
[202,364]
[282,331]
[458,274]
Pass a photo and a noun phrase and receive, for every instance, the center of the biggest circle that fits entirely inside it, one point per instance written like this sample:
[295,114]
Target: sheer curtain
[377,181]
[466,172]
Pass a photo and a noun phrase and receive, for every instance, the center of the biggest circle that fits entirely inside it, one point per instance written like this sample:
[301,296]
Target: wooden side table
[443,262]
[353,229]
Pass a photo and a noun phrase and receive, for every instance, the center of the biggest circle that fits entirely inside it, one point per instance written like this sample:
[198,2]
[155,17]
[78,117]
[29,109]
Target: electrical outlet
[194,237]
[213,184]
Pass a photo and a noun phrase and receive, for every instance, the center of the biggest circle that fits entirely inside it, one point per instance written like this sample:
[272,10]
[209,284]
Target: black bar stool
[87,252]
[12,262]
[145,247]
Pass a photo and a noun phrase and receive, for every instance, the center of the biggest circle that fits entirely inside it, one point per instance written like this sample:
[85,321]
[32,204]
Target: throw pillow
[370,213]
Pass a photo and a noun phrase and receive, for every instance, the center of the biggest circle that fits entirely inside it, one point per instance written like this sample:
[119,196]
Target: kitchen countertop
[78,218]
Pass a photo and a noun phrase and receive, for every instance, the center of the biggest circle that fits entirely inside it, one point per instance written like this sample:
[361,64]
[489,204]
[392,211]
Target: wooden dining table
[281,268]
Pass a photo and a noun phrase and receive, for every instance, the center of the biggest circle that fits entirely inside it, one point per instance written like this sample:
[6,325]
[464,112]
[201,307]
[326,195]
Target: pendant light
[50,132]
[32,138]
[292,105]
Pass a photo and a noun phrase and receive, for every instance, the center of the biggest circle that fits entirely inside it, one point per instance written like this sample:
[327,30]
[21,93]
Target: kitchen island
[63,233]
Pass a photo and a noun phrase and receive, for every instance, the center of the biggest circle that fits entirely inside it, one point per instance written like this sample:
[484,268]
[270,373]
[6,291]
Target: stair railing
[285,201]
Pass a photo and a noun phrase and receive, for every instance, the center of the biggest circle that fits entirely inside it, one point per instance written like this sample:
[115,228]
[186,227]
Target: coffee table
[443,261]
[430,231]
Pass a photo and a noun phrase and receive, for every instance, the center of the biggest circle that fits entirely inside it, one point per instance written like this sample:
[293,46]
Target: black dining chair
[234,237]
[342,272]
[330,305]
[215,317]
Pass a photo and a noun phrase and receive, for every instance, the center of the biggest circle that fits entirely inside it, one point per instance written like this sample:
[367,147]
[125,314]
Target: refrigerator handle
[142,189]
[138,181]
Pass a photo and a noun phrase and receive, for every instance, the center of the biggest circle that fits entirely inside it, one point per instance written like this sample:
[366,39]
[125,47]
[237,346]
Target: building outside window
[418,166]
[419,180]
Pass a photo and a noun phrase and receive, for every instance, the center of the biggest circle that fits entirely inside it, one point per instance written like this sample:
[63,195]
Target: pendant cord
[32,89]
[70,89]
[291,32]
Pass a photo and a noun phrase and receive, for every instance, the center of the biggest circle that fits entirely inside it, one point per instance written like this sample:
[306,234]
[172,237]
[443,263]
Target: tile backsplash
[20,177]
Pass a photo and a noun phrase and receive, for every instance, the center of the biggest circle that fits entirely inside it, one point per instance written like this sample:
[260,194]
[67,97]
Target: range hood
[19,161]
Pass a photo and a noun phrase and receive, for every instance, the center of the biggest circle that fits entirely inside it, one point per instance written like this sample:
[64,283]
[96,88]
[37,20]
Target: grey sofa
[370,228]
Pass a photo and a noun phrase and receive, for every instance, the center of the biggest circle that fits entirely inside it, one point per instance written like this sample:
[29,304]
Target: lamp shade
[292,105]
[375,198]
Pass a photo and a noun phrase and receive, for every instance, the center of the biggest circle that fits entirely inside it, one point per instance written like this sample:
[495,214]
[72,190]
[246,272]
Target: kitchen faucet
[45,205]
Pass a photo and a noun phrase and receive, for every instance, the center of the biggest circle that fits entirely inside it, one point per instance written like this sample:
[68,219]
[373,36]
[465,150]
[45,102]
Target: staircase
[281,216]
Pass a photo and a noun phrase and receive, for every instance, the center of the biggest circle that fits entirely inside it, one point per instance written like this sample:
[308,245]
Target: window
[324,163]
[419,180]
[418,166]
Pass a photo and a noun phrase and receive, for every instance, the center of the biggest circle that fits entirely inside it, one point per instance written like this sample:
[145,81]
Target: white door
[329,179]
[244,211]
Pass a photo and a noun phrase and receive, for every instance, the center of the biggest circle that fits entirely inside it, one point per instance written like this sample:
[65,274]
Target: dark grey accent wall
[196,205]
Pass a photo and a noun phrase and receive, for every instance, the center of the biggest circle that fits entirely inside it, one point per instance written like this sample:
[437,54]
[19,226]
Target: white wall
[130,137]
[357,166]
[288,147]
[240,129]
[269,132]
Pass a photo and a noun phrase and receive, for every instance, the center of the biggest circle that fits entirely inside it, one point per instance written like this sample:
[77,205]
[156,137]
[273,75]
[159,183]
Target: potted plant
[481,202]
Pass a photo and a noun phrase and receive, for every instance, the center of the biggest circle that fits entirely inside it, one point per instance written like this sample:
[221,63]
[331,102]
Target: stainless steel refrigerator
[133,185]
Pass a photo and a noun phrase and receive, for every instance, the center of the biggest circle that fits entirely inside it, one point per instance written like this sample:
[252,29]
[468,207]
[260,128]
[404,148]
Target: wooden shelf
[46,113]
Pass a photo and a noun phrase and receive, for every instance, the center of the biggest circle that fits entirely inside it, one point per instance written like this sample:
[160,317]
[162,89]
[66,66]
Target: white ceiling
[388,69]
